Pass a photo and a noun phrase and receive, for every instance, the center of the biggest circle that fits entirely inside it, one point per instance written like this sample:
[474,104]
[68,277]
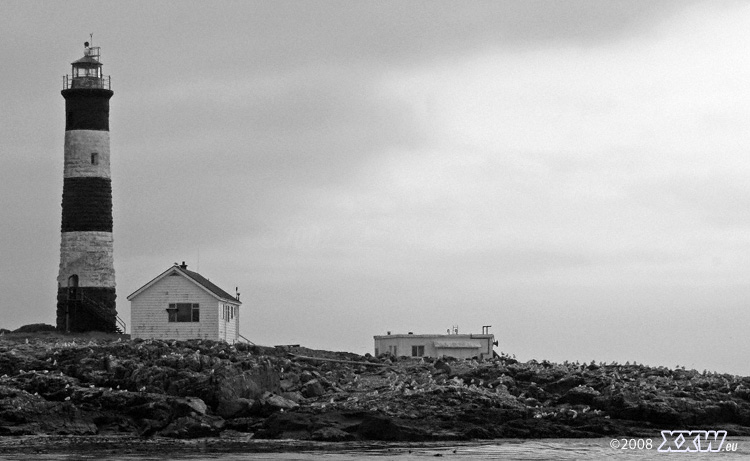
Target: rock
[287,385]
[17,430]
[295,397]
[581,395]
[564,384]
[75,426]
[248,424]
[188,427]
[331,434]
[278,402]
[536,392]
[306,376]
[247,385]
[187,382]
[19,407]
[188,405]
[108,423]
[313,388]
[154,379]
[111,364]
[270,403]
[531,402]
[478,432]
[236,408]
[386,429]
[49,385]
[660,413]
[82,386]
[35,328]
[742,392]
[442,367]
[287,425]
[151,417]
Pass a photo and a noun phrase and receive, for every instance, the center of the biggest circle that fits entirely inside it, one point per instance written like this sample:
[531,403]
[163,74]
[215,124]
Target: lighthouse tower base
[86,309]
[86,282]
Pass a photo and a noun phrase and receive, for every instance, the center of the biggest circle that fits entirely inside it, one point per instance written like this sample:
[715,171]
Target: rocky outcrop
[61,385]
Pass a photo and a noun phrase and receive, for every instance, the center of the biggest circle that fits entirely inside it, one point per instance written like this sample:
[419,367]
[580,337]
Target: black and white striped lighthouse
[86,281]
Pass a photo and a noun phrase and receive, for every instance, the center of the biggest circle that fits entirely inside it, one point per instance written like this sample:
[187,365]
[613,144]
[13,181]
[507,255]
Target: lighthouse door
[73,287]
[73,296]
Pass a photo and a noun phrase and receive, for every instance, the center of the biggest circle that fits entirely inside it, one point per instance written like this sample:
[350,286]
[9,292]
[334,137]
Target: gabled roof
[194,277]
[204,282]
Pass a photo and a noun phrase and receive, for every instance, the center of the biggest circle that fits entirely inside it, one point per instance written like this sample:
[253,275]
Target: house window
[94,158]
[393,350]
[417,351]
[183,312]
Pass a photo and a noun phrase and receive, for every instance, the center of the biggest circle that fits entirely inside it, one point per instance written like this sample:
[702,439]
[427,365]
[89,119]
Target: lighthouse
[86,280]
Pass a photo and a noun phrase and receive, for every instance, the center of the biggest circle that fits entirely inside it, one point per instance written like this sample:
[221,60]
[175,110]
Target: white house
[450,345]
[182,304]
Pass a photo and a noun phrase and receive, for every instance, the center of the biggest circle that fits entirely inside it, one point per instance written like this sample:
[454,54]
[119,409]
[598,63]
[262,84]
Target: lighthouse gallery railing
[102,83]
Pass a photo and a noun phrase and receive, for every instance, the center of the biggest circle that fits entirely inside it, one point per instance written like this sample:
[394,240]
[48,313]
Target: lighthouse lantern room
[87,71]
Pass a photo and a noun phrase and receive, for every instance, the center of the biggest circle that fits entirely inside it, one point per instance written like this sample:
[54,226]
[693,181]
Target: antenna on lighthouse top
[88,47]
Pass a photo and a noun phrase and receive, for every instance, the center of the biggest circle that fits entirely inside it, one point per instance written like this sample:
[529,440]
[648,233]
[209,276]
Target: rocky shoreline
[101,386]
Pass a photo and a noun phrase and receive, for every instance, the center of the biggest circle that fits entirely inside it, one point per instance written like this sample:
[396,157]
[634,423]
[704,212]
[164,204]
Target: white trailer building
[450,345]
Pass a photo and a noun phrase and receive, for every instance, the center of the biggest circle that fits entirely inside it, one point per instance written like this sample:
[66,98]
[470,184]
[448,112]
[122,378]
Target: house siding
[228,327]
[149,317]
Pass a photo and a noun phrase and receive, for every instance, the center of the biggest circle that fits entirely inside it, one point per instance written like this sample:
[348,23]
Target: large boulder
[25,413]
[228,388]
[581,395]
[236,408]
[313,388]
[387,429]
[270,403]
[190,427]
[564,384]
[331,434]
[51,386]
[189,406]
[35,328]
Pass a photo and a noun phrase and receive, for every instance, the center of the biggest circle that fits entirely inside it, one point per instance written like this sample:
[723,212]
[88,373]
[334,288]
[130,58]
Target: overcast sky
[575,174]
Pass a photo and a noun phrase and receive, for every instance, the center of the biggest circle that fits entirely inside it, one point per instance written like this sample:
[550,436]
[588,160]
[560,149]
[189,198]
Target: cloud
[545,167]
[569,185]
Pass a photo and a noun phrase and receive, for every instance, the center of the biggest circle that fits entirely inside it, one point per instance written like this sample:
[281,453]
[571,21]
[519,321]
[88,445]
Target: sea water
[734,448]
